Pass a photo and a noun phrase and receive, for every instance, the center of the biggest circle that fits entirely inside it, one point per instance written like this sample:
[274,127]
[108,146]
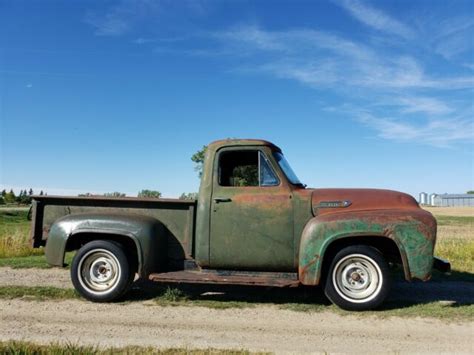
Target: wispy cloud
[319,58]
[428,105]
[443,133]
[122,17]
[375,18]
[127,16]
[454,36]
[408,111]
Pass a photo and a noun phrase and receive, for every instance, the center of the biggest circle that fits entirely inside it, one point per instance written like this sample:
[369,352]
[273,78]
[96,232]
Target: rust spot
[304,269]
[228,277]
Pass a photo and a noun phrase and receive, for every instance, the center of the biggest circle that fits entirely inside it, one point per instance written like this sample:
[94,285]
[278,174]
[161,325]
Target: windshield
[290,174]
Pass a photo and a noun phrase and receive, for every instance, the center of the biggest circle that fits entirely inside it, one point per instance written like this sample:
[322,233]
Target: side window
[238,168]
[267,176]
[245,168]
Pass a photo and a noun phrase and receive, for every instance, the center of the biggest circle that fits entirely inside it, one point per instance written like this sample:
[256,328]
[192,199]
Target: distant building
[423,198]
[452,200]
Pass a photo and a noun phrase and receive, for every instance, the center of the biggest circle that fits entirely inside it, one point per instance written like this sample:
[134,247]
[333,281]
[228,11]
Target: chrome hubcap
[99,271]
[357,278]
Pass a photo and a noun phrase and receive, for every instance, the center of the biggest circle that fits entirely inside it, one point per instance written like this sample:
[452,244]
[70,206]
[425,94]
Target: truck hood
[325,201]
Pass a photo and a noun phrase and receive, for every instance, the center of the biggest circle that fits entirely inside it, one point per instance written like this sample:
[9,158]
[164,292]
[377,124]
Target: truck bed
[178,216]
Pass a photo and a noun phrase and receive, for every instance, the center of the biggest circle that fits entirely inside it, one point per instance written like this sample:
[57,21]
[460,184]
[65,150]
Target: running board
[274,279]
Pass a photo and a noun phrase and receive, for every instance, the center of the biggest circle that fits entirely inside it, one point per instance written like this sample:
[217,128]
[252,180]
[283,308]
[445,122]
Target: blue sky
[101,96]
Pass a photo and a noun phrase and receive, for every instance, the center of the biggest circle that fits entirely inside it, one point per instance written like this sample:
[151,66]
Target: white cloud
[435,132]
[387,83]
[426,105]
[29,85]
[318,58]
[376,18]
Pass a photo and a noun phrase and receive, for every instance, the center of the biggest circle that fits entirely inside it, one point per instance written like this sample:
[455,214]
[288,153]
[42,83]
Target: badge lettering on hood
[334,204]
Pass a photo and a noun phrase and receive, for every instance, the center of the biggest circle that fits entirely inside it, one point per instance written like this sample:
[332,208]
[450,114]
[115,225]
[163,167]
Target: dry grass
[451,211]
[15,234]
[456,244]
[455,241]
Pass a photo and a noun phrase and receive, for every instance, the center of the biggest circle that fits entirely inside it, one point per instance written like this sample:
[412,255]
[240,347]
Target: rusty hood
[344,200]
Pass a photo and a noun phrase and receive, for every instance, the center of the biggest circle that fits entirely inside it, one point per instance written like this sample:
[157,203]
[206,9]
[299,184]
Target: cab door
[251,212]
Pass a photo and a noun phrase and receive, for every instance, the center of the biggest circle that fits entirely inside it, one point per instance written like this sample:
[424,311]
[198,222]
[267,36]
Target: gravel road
[264,327]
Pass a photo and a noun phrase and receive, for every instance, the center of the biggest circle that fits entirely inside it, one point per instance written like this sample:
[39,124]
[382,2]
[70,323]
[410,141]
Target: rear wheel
[358,278]
[101,271]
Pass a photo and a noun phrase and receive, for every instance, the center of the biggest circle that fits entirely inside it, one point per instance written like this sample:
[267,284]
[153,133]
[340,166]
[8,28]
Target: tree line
[23,198]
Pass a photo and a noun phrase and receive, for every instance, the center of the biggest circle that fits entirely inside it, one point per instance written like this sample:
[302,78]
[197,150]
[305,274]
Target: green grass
[37,293]
[293,300]
[29,348]
[307,300]
[33,261]
[176,297]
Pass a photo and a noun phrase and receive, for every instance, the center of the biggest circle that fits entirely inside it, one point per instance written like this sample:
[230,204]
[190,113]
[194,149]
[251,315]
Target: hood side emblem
[334,204]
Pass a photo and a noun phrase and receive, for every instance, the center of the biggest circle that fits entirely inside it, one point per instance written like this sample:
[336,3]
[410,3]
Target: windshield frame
[286,169]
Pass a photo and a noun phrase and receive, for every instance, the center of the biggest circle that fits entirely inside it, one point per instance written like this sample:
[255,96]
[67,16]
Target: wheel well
[76,241]
[386,246]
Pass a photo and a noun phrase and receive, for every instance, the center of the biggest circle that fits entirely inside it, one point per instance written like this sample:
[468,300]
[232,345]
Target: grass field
[28,348]
[455,236]
[15,233]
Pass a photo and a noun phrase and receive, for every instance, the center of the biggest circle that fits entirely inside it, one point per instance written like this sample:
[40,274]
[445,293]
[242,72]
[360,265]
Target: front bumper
[441,265]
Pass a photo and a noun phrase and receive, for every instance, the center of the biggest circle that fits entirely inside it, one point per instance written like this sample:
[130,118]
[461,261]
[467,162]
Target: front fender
[413,231]
[147,233]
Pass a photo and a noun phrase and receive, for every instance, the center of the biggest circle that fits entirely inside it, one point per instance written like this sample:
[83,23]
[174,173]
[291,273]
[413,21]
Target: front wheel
[101,272]
[358,278]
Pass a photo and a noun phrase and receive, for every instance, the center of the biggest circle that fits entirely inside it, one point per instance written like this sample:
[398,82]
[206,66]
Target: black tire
[358,278]
[101,271]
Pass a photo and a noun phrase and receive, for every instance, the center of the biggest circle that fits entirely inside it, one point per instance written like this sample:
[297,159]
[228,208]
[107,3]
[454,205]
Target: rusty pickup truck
[254,223]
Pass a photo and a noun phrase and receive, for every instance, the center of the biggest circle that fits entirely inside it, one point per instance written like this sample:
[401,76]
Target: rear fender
[147,233]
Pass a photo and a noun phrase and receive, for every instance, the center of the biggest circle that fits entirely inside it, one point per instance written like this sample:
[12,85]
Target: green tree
[114,194]
[19,197]
[2,200]
[87,194]
[10,197]
[4,192]
[30,192]
[149,194]
[25,199]
[198,159]
[189,196]
[41,193]
[470,192]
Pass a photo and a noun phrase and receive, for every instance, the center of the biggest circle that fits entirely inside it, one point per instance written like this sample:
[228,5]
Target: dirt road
[262,328]
[267,328]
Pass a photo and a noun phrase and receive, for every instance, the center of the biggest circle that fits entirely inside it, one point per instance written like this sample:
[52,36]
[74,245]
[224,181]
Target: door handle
[222,199]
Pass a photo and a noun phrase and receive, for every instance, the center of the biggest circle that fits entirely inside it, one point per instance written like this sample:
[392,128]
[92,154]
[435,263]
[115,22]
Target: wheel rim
[357,278]
[99,271]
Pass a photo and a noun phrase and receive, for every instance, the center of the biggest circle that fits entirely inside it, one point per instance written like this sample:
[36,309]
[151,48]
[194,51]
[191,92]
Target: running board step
[274,279]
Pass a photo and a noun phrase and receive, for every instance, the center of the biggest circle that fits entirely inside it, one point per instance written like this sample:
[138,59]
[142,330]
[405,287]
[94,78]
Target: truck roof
[241,142]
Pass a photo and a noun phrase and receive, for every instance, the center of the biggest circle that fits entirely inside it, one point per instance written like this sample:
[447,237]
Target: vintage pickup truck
[254,223]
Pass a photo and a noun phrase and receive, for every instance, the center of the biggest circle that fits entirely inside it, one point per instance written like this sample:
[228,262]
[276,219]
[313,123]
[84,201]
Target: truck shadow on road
[454,290]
